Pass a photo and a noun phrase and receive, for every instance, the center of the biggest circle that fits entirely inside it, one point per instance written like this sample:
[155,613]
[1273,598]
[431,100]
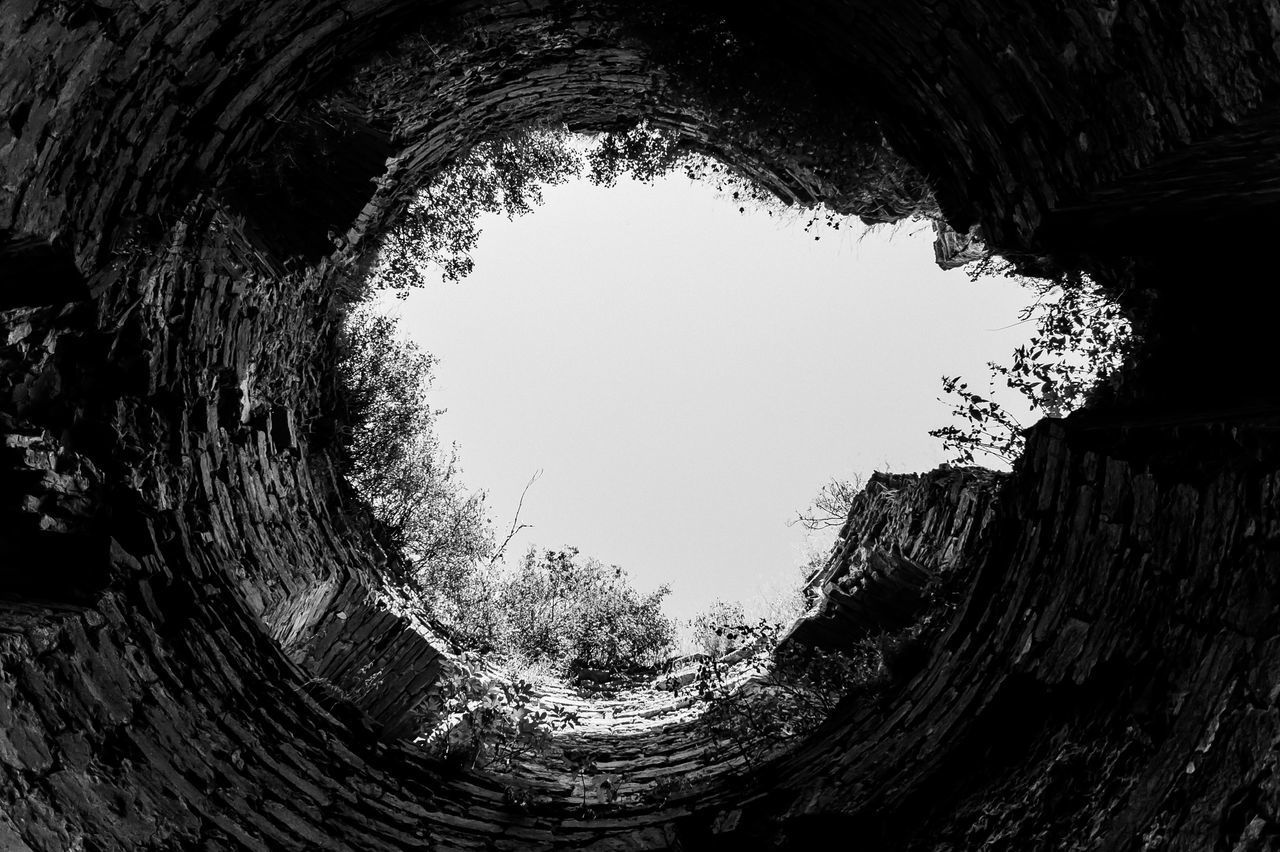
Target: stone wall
[164,98]
[1111,662]
[905,538]
[191,655]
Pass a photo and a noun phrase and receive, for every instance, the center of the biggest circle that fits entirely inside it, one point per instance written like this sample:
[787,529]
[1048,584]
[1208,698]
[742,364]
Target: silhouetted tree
[440,227]
[830,506]
[1081,340]
[507,176]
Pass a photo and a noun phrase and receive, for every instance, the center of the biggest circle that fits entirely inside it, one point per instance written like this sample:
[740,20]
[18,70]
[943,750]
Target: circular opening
[163,432]
[676,316]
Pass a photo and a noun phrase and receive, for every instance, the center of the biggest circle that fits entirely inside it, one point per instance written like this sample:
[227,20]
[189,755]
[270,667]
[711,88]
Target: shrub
[556,608]
[581,613]
[715,629]
[830,507]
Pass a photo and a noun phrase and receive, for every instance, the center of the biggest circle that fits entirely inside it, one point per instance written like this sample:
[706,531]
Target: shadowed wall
[182,568]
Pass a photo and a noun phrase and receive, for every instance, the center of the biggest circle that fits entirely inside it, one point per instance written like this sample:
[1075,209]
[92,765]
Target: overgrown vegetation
[508,176]
[439,230]
[556,608]
[1080,342]
[713,628]
[581,614]
[768,694]
[488,722]
[393,458]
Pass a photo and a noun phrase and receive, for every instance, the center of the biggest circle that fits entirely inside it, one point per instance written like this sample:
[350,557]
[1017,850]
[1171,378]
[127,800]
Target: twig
[516,526]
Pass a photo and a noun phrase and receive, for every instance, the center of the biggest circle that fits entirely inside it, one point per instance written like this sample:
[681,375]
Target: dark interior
[188,191]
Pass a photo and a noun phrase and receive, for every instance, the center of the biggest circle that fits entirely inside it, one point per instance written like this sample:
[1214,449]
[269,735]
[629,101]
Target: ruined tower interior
[187,190]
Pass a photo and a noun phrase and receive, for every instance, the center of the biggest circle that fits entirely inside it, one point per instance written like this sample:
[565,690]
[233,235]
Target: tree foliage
[576,612]
[441,227]
[646,153]
[508,175]
[570,611]
[581,613]
[393,457]
[641,152]
[1081,340]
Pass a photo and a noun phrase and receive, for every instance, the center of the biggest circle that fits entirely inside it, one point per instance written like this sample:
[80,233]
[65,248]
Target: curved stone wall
[190,653]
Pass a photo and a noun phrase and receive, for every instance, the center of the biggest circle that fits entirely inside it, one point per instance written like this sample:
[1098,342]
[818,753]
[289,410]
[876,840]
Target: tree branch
[516,526]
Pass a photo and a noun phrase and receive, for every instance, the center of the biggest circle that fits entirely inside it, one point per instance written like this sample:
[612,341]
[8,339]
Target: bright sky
[687,377]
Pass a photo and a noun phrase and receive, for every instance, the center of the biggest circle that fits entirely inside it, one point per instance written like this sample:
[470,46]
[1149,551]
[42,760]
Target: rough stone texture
[1109,681]
[191,655]
[904,537]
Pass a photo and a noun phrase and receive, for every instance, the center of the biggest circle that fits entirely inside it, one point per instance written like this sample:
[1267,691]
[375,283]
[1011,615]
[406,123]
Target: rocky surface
[191,653]
[904,538]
